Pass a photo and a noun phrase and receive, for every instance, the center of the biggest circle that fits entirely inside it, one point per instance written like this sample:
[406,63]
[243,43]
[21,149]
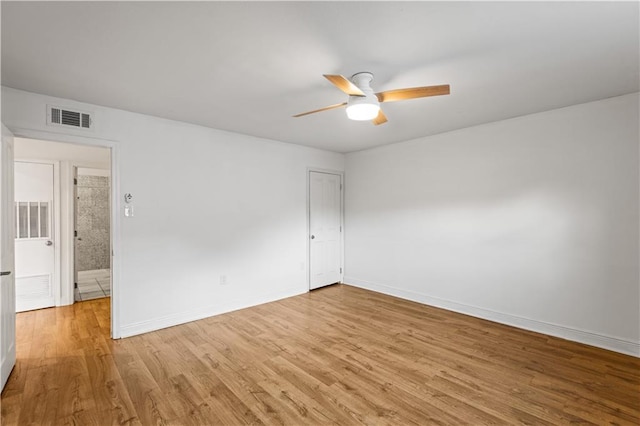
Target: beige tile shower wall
[93,223]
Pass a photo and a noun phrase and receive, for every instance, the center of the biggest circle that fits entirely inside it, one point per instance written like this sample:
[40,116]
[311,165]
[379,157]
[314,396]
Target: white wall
[66,156]
[83,171]
[531,221]
[207,203]
[79,155]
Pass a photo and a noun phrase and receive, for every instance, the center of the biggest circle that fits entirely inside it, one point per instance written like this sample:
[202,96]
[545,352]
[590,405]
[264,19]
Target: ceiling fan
[364,104]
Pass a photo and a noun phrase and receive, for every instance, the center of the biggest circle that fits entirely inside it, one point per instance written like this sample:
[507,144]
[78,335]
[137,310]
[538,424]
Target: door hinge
[341,229]
[75,233]
[340,270]
[75,181]
[340,187]
[75,285]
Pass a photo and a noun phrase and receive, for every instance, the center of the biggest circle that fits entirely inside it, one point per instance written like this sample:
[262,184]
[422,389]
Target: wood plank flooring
[338,355]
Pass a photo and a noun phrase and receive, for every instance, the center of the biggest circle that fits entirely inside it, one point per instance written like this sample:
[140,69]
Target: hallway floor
[93,285]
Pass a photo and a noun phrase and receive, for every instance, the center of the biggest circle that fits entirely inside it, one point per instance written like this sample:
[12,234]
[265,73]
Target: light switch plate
[128,211]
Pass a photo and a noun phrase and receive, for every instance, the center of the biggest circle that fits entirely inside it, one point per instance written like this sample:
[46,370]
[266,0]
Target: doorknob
[3,273]
[49,243]
[313,237]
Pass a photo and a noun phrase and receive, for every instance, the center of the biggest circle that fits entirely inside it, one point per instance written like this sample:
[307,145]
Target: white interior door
[34,244]
[7,285]
[325,229]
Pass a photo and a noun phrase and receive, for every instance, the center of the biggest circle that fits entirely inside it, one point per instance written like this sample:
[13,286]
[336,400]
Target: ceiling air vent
[57,116]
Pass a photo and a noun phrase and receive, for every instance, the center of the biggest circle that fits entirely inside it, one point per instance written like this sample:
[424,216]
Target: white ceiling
[248,67]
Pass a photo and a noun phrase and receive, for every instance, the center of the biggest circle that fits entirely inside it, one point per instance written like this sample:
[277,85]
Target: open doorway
[92,249]
[70,164]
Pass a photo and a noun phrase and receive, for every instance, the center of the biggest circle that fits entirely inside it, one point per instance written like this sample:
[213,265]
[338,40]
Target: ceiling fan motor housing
[363,107]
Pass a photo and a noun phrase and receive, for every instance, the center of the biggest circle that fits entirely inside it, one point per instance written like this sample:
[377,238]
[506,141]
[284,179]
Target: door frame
[342,187]
[113,145]
[56,221]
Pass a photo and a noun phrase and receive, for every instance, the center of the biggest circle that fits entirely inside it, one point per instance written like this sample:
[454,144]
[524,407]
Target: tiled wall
[93,223]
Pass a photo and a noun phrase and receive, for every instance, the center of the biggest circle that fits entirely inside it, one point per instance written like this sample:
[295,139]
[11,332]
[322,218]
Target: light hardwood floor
[338,355]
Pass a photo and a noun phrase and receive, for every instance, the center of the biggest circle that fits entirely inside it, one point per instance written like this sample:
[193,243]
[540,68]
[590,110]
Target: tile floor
[93,284]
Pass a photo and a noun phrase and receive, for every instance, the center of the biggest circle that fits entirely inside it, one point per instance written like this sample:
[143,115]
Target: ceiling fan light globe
[363,111]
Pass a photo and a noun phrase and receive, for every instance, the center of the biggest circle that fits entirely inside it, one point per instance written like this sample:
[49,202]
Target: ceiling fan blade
[321,109]
[412,93]
[345,85]
[380,119]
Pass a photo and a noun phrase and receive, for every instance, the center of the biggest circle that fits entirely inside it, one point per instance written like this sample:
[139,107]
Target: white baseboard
[580,336]
[141,327]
